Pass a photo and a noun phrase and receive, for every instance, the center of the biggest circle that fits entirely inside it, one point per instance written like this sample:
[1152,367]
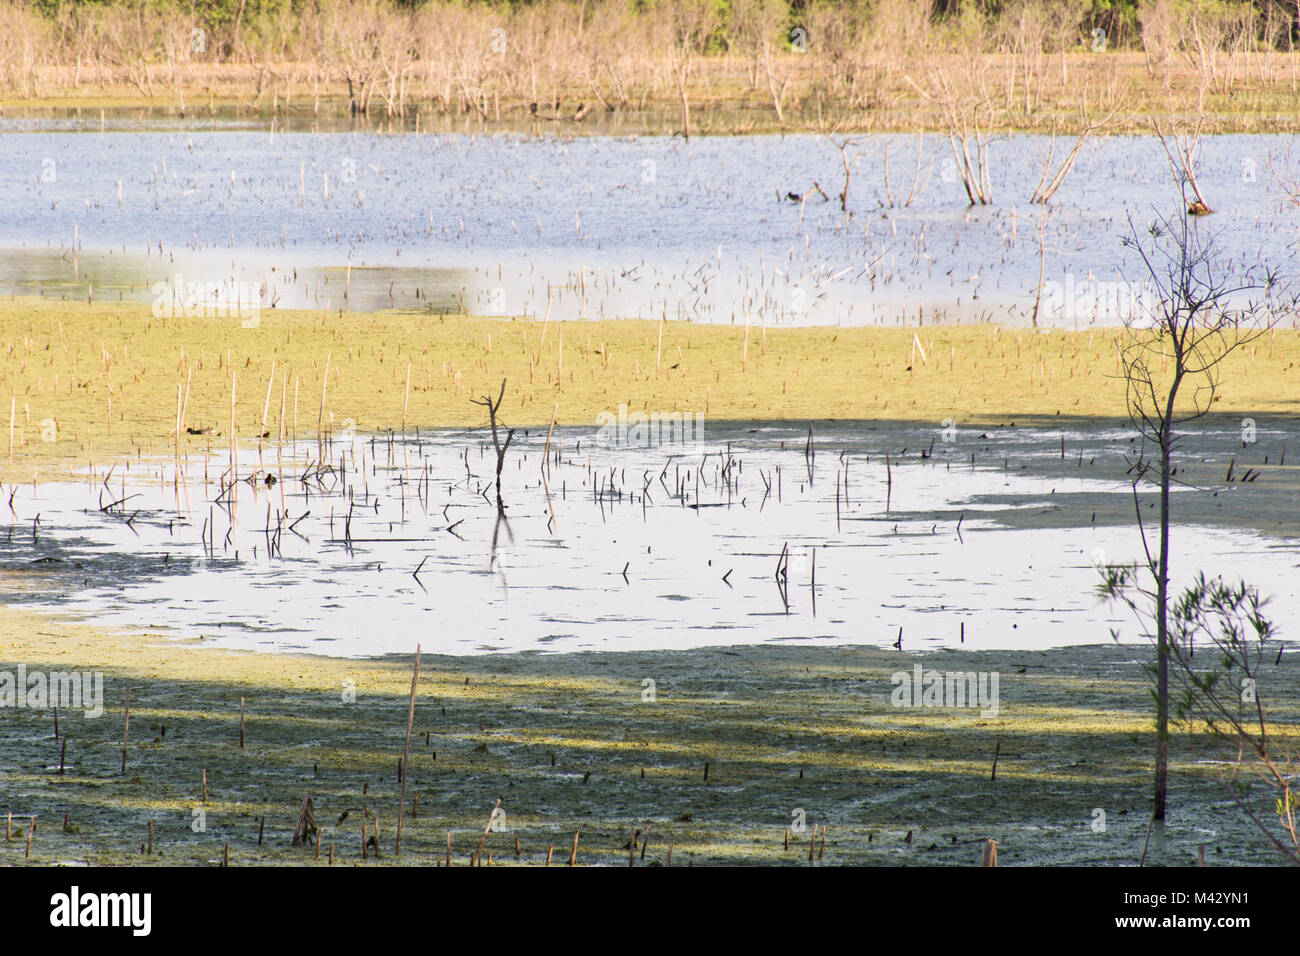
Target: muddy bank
[578,742]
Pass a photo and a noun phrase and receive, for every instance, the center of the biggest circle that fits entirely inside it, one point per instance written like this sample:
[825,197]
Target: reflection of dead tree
[1182,161]
[1046,189]
[501,520]
[783,575]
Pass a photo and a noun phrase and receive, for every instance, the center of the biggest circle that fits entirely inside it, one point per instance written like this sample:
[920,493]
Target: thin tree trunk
[1162,600]
[1162,634]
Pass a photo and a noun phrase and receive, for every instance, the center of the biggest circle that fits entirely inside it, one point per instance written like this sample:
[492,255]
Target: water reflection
[742,536]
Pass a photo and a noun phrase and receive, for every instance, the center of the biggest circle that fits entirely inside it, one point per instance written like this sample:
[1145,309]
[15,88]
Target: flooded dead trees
[1091,124]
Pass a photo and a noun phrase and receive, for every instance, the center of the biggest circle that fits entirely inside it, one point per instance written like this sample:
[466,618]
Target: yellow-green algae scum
[98,383]
[571,743]
[568,742]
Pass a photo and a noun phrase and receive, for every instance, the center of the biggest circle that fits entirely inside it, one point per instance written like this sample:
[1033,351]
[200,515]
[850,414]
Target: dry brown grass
[885,66]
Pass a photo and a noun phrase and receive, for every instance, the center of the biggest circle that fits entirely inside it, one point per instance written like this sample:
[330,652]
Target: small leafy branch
[1224,694]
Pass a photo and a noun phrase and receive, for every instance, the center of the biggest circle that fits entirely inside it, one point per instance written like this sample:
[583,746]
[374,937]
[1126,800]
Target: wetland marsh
[873,461]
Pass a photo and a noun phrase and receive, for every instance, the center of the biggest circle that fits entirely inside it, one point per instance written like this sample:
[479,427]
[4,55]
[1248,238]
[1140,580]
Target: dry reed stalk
[406,397]
[659,348]
[179,408]
[234,455]
[320,414]
[545,322]
[546,452]
[185,406]
[126,726]
[279,441]
[266,408]
[406,755]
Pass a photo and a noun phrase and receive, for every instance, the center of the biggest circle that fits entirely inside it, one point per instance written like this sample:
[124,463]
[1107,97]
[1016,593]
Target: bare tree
[1171,359]
[921,171]
[493,408]
[1090,125]
[968,116]
[356,28]
[689,26]
[1286,180]
[1182,160]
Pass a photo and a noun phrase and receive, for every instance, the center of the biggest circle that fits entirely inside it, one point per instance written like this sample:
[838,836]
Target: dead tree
[1047,188]
[501,449]
[1182,161]
[968,117]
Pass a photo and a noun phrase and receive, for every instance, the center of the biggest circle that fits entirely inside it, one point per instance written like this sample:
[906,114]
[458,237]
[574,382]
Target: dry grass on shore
[758,67]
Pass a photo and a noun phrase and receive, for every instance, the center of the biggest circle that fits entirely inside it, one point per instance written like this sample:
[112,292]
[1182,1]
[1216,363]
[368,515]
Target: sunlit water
[639,547]
[512,224]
